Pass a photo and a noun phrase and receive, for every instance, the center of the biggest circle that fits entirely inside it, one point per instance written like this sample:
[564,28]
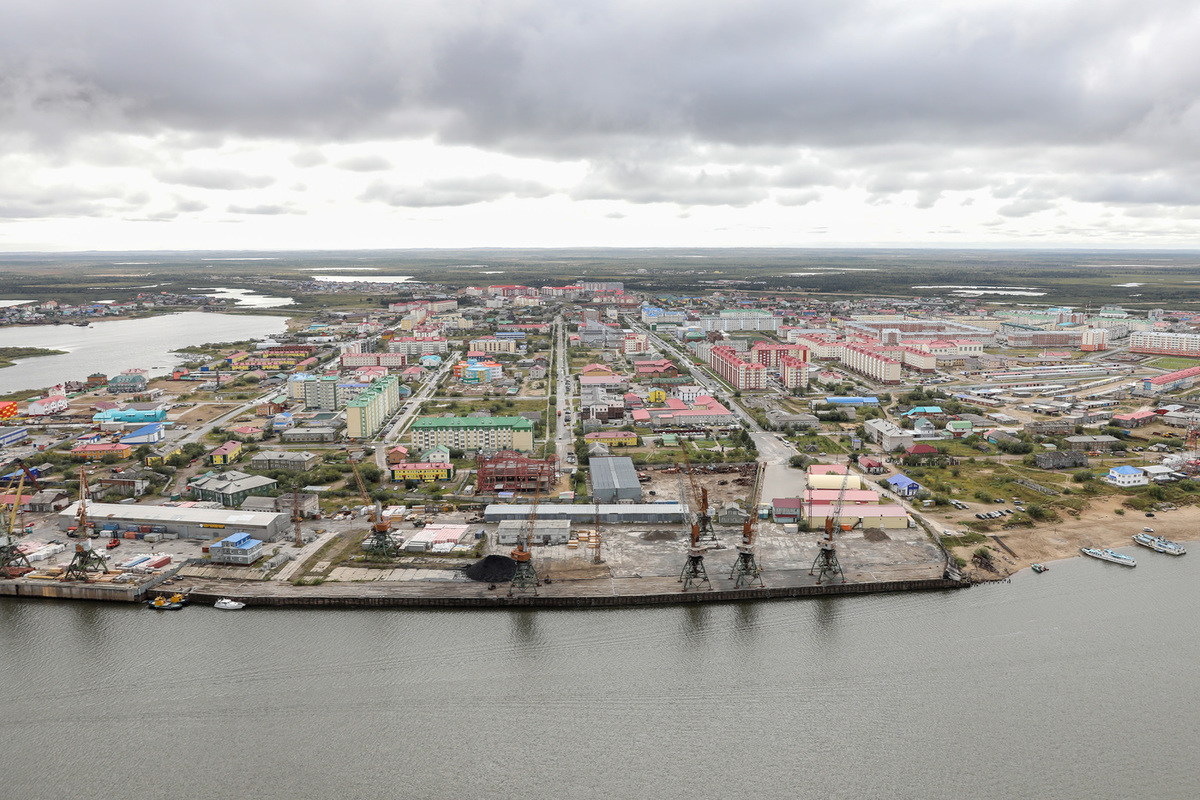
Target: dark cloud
[720,103]
[454,191]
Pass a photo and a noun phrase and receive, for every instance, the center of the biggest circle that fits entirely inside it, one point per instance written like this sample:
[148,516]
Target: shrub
[1082,476]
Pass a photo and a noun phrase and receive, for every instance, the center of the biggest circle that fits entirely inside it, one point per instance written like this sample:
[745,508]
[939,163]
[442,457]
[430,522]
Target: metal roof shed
[615,479]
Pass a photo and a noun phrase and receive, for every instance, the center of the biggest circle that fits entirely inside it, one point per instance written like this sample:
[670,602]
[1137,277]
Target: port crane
[86,559]
[13,562]
[379,542]
[700,533]
[746,570]
[525,578]
[827,558]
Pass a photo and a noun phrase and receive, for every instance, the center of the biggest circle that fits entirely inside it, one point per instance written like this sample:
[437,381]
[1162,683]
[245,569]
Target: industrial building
[510,471]
[238,548]
[638,513]
[545,531]
[187,523]
[614,480]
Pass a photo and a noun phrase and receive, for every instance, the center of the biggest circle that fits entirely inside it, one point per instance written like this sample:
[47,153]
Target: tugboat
[164,604]
[1039,568]
[1104,554]
[1159,545]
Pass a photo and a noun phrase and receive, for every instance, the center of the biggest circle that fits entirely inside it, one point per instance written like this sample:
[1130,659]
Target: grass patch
[10,355]
[1173,362]
[963,540]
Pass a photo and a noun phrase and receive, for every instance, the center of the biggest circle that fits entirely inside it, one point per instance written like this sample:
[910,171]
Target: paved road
[564,440]
[413,408]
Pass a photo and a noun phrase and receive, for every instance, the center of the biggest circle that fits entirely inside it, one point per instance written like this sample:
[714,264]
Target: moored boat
[225,604]
[1104,554]
[1039,568]
[1159,545]
[167,604]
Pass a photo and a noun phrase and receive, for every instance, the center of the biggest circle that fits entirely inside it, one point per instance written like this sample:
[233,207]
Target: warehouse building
[637,513]
[545,531]
[187,523]
[615,479]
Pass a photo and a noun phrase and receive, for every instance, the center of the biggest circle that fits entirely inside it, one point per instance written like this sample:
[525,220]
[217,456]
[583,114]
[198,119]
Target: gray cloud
[727,103]
[267,209]
[212,178]
[454,191]
[364,164]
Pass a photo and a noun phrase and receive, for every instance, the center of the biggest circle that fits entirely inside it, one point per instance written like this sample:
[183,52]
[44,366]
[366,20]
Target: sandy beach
[1098,526]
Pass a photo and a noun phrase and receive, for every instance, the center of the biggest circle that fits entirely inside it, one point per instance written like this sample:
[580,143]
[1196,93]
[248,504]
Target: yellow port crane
[13,562]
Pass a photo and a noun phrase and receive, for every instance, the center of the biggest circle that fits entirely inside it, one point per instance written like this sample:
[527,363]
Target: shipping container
[130,535]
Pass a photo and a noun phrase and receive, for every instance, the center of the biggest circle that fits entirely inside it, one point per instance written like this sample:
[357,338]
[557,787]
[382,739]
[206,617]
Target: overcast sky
[130,124]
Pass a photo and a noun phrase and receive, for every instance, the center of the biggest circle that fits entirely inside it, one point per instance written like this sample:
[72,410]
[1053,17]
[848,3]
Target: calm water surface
[1077,683]
[116,345]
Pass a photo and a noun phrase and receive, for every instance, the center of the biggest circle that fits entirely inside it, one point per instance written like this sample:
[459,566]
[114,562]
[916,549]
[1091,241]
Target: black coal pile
[659,536]
[493,569]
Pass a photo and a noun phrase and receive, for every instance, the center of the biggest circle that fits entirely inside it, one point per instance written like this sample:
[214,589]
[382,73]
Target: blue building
[157,413]
[238,548]
[148,434]
[904,485]
[11,436]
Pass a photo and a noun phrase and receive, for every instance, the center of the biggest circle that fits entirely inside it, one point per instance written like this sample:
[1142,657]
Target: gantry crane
[86,558]
[746,571]
[525,577]
[13,562]
[827,558]
[379,542]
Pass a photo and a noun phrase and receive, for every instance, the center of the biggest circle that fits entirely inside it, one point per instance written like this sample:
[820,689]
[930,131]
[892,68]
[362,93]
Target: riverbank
[1097,526]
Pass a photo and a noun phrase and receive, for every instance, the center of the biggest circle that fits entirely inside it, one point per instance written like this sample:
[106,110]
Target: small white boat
[225,604]
[1104,554]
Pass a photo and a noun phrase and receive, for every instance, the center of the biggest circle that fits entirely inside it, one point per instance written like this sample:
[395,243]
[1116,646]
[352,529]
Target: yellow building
[613,438]
[414,471]
[657,396]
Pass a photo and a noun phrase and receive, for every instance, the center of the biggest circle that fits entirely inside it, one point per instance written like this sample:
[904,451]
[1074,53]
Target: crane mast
[693,575]
[86,559]
[827,559]
[746,570]
[13,562]
[525,578]
[379,542]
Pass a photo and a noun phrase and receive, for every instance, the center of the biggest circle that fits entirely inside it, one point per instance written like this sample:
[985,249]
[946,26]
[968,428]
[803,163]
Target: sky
[302,124]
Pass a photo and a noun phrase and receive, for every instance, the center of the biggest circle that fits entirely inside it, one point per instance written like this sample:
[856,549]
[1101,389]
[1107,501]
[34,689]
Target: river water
[1077,683]
[112,346]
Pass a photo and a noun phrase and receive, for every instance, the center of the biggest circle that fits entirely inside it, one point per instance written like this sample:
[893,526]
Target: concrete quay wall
[500,599]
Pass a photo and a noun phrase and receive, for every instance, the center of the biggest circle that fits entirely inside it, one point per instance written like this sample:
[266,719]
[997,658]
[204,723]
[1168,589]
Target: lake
[115,345]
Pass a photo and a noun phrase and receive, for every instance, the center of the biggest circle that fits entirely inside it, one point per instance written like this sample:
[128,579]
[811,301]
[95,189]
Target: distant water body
[363,278]
[1080,683]
[115,345]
